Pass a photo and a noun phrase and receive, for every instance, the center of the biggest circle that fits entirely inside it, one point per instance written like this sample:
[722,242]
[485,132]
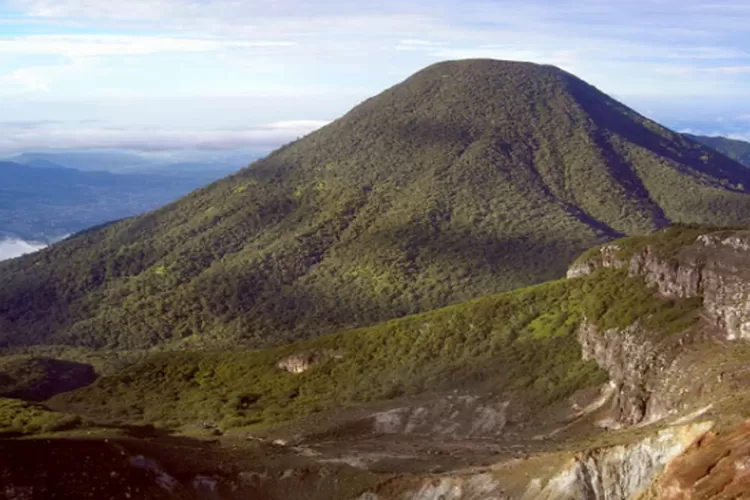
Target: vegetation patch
[733,148]
[18,417]
[522,342]
[37,379]
[468,179]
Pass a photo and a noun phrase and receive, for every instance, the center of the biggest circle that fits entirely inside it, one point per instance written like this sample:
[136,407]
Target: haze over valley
[45,197]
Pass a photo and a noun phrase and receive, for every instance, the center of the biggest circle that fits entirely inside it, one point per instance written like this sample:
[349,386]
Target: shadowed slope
[736,149]
[469,178]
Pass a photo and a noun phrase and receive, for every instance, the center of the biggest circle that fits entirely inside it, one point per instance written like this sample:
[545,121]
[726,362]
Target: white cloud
[420,43]
[231,48]
[706,70]
[11,248]
[35,79]
[250,18]
[77,46]
[730,70]
[24,79]
[133,9]
[267,136]
[296,125]
[417,45]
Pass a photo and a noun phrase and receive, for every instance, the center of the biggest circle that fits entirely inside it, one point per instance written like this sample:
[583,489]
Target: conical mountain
[469,178]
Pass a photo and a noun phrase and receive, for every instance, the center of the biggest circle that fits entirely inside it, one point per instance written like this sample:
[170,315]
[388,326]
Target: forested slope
[467,179]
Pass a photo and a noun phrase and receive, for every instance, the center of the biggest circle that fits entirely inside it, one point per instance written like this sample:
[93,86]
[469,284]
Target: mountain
[735,149]
[45,201]
[469,178]
[217,164]
[627,380]
[98,161]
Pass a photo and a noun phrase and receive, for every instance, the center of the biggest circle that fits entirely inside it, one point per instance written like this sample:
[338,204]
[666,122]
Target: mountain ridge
[469,178]
[46,201]
[735,149]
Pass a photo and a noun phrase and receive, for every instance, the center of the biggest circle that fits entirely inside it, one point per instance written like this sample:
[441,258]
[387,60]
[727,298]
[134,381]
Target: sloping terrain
[520,342]
[469,178]
[627,380]
[37,379]
[734,148]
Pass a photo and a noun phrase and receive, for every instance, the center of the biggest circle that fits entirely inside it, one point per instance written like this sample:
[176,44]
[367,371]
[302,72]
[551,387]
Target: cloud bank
[75,46]
[11,248]
[14,138]
[328,55]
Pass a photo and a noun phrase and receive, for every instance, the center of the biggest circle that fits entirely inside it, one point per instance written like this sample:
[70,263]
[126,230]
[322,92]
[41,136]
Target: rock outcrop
[620,472]
[629,355]
[481,486]
[623,472]
[607,257]
[715,267]
[303,361]
[458,415]
[716,466]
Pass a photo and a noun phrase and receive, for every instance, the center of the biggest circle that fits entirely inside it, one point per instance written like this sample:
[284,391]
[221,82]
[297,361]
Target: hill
[209,164]
[36,379]
[44,201]
[521,344]
[735,149]
[592,383]
[469,178]
[629,378]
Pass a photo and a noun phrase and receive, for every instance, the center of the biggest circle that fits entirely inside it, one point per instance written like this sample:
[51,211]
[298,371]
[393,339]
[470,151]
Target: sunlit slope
[469,178]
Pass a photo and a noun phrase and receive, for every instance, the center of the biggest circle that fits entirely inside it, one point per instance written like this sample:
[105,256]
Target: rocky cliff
[711,267]
[714,267]
[611,473]
[619,472]
[630,356]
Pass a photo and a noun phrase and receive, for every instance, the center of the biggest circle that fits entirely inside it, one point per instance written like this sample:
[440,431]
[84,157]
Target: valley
[657,373]
[42,202]
[490,281]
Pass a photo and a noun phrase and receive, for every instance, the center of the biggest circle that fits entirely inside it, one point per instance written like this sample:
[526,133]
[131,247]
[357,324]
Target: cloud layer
[78,46]
[339,52]
[15,138]
[11,248]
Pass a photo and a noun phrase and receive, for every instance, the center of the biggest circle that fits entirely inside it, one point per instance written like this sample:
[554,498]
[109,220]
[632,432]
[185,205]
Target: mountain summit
[469,178]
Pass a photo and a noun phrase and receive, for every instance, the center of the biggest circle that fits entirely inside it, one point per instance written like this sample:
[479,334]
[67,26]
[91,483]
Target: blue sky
[157,75]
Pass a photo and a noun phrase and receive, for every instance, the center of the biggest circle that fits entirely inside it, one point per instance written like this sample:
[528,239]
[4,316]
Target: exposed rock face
[672,279]
[475,487]
[619,472]
[303,361]
[607,257]
[455,416]
[629,356]
[715,267]
[624,472]
[713,467]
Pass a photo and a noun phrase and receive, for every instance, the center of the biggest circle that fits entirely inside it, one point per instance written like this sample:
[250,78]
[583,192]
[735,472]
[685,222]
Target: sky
[162,75]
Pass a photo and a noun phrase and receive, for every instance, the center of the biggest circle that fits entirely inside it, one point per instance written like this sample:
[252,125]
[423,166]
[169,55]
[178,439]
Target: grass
[522,343]
[18,417]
